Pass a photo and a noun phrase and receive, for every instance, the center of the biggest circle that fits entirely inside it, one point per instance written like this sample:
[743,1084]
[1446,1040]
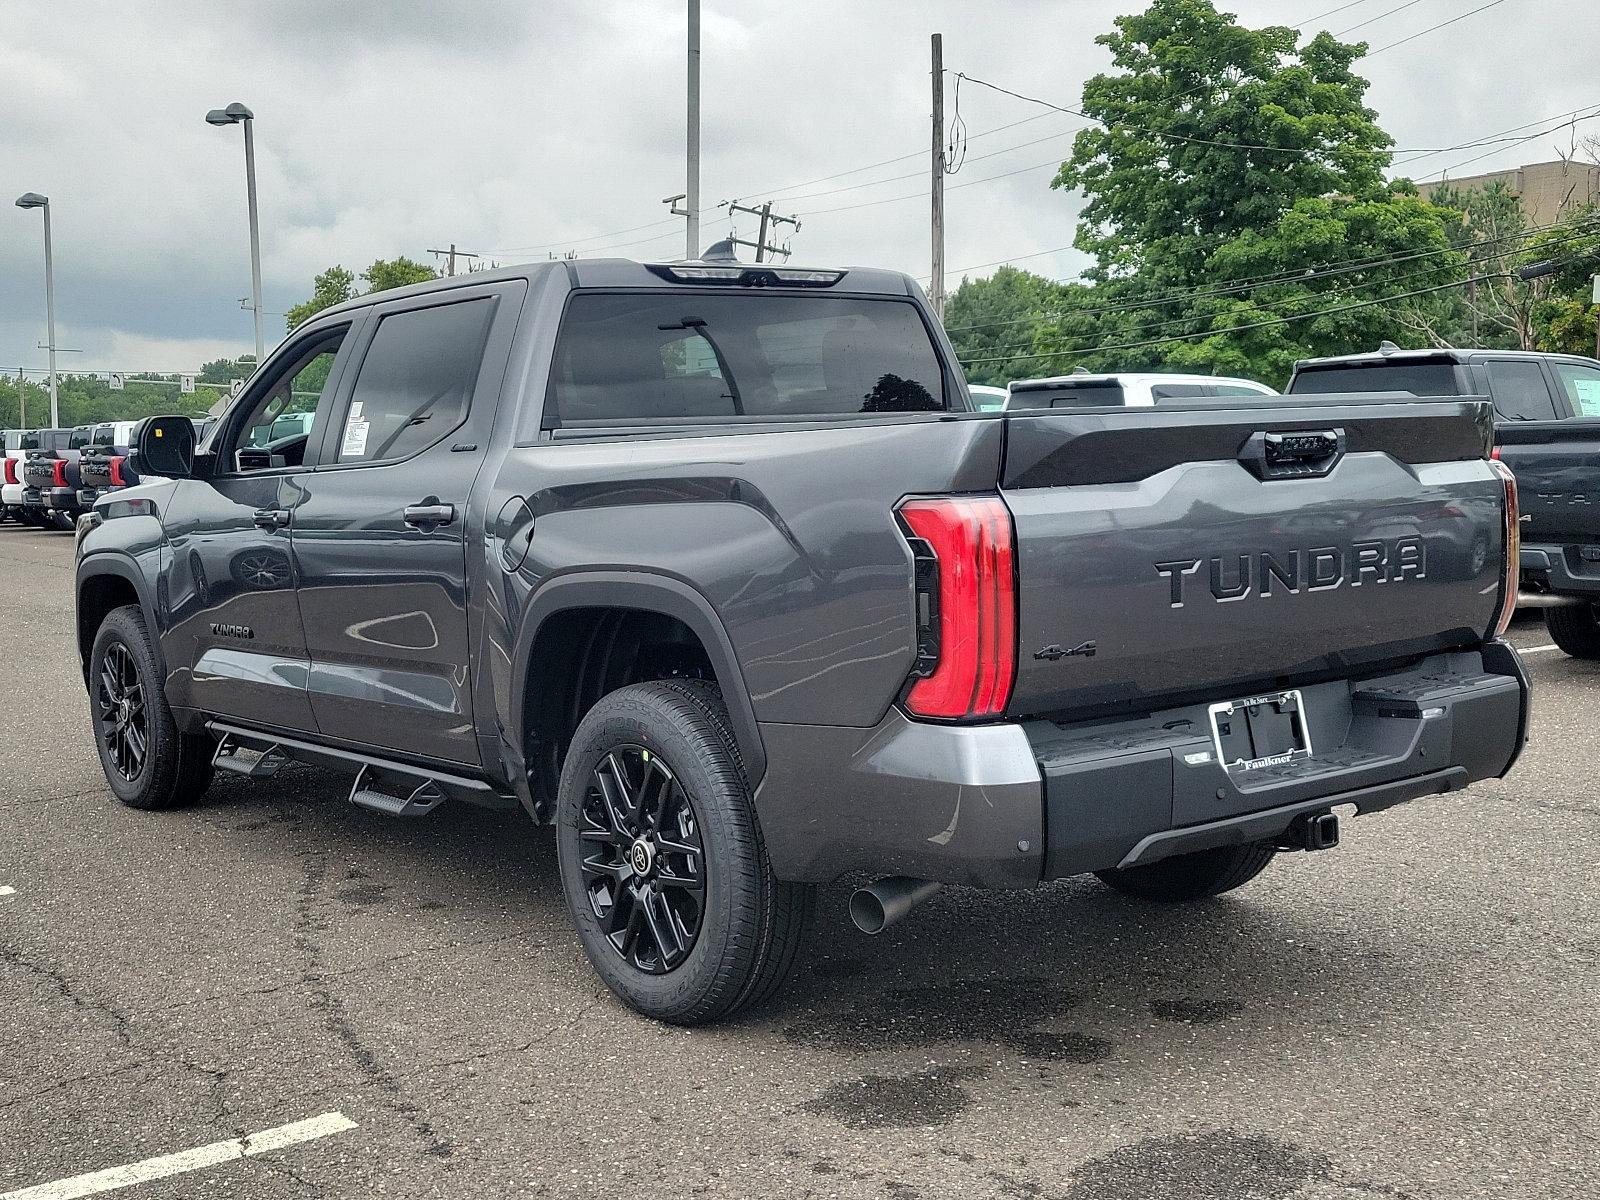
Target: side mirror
[164,447]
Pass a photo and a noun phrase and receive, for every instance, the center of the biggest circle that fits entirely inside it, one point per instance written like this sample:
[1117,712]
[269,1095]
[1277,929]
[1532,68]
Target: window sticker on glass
[1588,396]
[355,433]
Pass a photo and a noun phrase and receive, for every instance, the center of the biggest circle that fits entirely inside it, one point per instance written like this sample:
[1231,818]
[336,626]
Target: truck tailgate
[1219,551]
[1554,465]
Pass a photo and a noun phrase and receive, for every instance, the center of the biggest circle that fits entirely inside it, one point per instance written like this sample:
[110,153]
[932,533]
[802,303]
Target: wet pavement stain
[1003,1011]
[1218,1165]
[895,1101]
[1189,1010]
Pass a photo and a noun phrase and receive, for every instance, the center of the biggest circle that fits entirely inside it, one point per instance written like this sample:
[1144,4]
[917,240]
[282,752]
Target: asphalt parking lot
[1413,1015]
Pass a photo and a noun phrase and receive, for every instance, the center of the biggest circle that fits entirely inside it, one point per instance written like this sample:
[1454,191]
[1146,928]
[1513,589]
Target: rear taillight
[116,470]
[1513,573]
[966,606]
[1495,453]
[60,469]
[11,471]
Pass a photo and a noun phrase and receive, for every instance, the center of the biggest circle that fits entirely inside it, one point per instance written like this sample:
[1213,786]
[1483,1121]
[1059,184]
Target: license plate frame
[1257,723]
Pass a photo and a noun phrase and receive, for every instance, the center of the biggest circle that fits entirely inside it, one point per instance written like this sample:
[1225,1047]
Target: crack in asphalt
[336,1018]
[123,1027]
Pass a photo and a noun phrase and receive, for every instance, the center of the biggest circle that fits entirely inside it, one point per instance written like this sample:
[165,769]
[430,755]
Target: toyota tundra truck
[715,568]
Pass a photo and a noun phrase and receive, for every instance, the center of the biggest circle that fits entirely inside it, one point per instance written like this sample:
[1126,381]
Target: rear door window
[1520,391]
[685,355]
[1582,384]
[416,381]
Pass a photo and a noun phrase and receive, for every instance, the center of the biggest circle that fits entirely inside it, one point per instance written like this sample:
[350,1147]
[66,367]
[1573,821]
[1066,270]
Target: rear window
[78,440]
[1418,378]
[105,435]
[30,441]
[1089,394]
[686,355]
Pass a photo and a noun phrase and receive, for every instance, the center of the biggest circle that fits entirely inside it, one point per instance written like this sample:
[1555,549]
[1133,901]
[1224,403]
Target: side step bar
[383,785]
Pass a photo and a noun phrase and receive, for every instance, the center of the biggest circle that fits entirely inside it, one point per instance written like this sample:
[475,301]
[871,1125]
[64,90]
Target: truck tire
[1192,876]
[1575,628]
[662,863]
[149,762]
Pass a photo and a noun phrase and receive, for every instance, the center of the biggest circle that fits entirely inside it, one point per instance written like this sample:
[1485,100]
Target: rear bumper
[32,498]
[1559,570]
[61,499]
[1012,805]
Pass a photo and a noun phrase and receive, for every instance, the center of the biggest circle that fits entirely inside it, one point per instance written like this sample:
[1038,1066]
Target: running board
[383,785]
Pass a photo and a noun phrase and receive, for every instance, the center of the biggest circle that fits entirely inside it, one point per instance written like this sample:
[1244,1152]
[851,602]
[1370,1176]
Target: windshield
[686,354]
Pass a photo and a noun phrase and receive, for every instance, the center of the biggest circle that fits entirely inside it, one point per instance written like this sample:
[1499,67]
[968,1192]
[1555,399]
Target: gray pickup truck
[715,568]
[1545,432]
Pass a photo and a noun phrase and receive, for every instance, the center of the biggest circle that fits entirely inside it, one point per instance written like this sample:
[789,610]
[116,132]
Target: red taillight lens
[1494,453]
[116,470]
[11,471]
[60,469]
[970,607]
[1508,600]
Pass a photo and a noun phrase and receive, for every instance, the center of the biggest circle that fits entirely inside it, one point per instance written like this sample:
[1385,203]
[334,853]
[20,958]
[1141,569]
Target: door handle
[271,518]
[429,516]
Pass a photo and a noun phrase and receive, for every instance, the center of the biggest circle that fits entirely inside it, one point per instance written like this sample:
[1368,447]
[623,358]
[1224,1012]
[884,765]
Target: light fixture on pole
[238,114]
[34,200]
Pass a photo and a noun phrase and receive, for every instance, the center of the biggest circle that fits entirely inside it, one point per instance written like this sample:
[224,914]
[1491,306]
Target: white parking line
[8,891]
[1537,649]
[186,1160]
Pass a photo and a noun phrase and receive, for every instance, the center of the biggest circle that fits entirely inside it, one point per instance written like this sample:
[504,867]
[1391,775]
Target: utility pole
[768,221]
[936,288]
[692,188]
[22,400]
[450,257]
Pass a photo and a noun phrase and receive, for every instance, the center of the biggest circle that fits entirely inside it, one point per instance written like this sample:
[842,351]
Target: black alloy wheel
[124,722]
[643,863]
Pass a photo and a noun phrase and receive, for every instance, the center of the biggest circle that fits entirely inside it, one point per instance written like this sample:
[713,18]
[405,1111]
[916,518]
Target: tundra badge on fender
[1057,653]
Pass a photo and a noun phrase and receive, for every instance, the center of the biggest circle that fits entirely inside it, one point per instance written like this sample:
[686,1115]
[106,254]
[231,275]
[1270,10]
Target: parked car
[1082,389]
[11,481]
[714,568]
[987,399]
[1545,407]
[104,465]
[50,476]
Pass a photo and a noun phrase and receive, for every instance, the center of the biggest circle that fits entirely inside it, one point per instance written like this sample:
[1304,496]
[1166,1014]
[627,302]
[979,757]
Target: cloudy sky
[519,127]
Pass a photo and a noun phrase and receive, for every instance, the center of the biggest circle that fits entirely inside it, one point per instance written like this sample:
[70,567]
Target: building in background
[1548,190]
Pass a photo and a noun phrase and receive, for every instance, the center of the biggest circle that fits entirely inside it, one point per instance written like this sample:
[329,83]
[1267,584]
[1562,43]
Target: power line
[1379,17]
[1413,37]
[1304,21]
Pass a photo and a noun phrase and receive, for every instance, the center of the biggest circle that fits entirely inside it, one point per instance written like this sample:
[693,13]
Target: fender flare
[121,566]
[648,591]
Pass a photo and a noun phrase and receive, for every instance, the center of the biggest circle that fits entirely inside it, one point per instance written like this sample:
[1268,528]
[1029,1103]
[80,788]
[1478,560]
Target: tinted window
[1583,387]
[1520,392]
[1068,395]
[682,354]
[78,440]
[30,441]
[416,380]
[1194,391]
[1418,378]
[105,435]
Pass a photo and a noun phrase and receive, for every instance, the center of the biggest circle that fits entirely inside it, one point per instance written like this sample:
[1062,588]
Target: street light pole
[692,195]
[35,200]
[238,114]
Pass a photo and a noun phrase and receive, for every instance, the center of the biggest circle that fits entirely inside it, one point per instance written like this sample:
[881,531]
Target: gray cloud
[518,127]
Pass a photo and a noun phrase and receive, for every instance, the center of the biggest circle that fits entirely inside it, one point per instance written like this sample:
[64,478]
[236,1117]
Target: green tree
[336,285]
[333,286]
[993,320]
[1235,205]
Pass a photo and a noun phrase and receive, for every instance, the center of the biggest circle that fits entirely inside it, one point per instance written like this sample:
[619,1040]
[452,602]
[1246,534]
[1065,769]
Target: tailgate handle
[1292,454]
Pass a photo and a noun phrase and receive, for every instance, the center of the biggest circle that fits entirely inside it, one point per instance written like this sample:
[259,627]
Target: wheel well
[581,654]
[97,598]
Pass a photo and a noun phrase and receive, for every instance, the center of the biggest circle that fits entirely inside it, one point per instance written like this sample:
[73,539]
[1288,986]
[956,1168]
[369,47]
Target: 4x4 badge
[1056,653]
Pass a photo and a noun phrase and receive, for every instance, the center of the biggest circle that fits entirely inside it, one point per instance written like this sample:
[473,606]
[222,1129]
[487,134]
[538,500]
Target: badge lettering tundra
[233,631]
[1235,576]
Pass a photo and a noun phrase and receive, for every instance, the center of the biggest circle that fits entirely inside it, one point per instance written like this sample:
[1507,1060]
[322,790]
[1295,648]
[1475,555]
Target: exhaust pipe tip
[879,905]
